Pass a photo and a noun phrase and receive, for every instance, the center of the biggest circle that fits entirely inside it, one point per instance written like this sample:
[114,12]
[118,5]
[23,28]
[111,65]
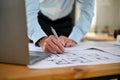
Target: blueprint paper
[81,54]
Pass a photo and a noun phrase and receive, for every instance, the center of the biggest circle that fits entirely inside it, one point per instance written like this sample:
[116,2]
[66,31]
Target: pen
[54,32]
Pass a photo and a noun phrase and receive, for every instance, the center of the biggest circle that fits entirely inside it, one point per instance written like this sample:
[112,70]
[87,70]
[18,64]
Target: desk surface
[18,72]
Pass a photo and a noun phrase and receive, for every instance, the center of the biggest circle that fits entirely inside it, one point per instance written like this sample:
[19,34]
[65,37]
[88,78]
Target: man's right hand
[51,44]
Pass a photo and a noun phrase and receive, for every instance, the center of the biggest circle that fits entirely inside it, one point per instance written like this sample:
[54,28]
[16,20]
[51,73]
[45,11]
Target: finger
[73,43]
[54,47]
[62,41]
[67,42]
[57,43]
[48,48]
[70,43]
[51,46]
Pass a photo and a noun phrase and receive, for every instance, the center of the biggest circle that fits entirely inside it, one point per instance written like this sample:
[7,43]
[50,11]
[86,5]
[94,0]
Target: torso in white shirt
[55,9]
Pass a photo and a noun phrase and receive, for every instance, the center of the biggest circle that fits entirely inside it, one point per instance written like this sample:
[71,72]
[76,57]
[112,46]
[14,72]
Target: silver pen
[54,32]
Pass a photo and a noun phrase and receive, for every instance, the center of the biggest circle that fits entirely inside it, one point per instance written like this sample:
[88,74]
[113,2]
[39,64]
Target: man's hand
[66,41]
[51,44]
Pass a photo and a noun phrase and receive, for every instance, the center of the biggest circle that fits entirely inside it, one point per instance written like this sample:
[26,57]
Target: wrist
[41,41]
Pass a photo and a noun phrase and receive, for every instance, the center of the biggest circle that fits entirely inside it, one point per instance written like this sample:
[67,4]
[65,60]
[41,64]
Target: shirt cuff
[76,35]
[36,36]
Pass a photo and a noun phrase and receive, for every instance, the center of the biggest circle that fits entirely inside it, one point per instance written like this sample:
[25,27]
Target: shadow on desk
[111,77]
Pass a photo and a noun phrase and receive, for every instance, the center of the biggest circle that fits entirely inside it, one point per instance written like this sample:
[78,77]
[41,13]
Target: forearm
[84,23]
[34,30]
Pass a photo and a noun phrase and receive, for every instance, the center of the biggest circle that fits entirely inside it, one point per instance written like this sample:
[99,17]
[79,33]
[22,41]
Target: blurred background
[106,20]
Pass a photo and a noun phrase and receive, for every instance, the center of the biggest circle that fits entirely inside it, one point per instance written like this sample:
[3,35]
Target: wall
[108,13]
[119,12]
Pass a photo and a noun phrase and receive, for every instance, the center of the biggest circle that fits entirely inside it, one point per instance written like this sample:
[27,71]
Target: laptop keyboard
[34,57]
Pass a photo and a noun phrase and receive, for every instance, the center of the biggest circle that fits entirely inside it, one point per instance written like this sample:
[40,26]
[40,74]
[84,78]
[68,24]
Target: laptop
[13,34]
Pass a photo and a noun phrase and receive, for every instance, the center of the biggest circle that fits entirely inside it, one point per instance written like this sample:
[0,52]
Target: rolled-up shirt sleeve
[34,30]
[84,23]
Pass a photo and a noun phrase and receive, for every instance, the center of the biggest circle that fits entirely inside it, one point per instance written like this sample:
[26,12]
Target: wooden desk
[18,72]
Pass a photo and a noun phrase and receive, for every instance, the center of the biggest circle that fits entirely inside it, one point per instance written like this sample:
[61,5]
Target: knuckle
[51,36]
